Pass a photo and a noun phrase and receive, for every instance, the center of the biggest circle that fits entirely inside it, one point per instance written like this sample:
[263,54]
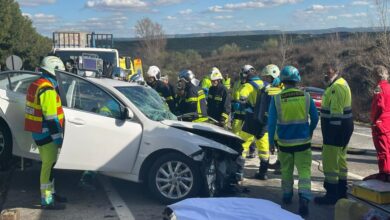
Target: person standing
[337,128]
[380,122]
[44,117]
[218,100]
[161,88]
[289,119]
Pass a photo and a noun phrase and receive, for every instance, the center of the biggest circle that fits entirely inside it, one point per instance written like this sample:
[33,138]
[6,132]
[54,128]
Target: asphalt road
[118,199]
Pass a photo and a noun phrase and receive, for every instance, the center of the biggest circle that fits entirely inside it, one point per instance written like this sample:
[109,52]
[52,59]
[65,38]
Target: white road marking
[365,135]
[119,205]
[355,176]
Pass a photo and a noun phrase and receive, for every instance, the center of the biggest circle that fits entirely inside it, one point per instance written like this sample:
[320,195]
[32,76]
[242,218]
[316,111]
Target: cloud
[322,8]
[223,17]
[210,25]
[115,4]
[261,24]
[356,15]
[185,12]
[167,2]
[331,17]
[171,18]
[33,3]
[250,5]
[41,18]
[360,3]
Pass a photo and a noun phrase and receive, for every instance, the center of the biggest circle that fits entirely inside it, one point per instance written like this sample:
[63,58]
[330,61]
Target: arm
[48,101]
[376,106]
[272,119]
[227,103]
[338,99]
[313,116]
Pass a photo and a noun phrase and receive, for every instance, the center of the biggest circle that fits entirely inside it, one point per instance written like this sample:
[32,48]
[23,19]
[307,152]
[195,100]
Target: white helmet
[215,74]
[52,63]
[154,71]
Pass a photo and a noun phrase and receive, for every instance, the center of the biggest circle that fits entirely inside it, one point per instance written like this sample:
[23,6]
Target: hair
[334,64]
[381,72]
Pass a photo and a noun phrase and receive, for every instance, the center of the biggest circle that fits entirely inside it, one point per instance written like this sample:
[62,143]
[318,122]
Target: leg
[287,165]
[330,162]
[302,161]
[263,153]
[248,138]
[343,174]
[382,143]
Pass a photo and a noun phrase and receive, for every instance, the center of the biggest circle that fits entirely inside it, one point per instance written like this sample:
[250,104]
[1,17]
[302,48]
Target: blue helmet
[290,73]
[186,75]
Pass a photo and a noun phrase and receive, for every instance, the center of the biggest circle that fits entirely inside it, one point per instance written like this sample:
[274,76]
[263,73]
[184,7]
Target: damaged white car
[137,139]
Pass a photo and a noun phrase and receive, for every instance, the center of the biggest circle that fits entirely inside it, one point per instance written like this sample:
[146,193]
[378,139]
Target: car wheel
[5,147]
[174,177]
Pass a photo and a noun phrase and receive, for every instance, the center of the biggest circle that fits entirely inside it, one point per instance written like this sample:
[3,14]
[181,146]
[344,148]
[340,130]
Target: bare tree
[383,41]
[152,40]
[285,45]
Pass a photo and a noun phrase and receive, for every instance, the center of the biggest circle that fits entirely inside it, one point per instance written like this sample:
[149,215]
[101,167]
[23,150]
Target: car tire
[174,177]
[5,148]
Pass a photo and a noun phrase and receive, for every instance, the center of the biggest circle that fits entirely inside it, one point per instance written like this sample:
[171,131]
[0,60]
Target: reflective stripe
[294,141]
[50,117]
[293,122]
[35,106]
[335,122]
[195,99]
[56,136]
[33,118]
[343,116]
[225,115]
[46,186]
[169,98]
[218,98]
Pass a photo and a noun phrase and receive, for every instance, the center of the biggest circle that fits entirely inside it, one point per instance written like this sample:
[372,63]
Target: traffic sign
[14,62]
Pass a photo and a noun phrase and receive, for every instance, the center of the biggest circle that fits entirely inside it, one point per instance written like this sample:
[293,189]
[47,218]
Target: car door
[14,87]
[95,137]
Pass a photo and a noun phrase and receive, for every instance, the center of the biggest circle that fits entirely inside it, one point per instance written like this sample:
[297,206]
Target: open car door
[95,137]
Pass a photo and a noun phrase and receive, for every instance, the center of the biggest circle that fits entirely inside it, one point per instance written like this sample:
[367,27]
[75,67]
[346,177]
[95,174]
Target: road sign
[14,62]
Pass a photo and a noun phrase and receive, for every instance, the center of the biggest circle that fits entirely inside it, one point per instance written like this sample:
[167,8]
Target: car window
[18,82]
[83,95]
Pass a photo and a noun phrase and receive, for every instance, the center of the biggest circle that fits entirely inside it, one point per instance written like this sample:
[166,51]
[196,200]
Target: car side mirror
[128,114]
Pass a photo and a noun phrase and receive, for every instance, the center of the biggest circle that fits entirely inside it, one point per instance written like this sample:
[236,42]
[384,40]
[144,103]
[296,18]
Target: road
[118,199]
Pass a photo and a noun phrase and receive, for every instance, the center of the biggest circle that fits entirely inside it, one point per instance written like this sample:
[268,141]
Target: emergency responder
[192,99]
[172,89]
[218,100]
[206,83]
[248,93]
[154,81]
[288,119]
[44,117]
[226,81]
[380,122]
[270,75]
[337,128]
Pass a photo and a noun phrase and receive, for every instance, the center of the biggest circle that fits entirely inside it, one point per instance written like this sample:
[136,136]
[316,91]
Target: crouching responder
[218,100]
[289,118]
[161,88]
[44,117]
[248,93]
[337,128]
[192,99]
[270,76]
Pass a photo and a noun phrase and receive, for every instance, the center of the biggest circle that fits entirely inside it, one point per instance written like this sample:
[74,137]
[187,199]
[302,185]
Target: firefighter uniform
[380,119]
[193,101]
[248,94]
[337,128]
[218,103]
[164,91]
[289,119]
[44,118]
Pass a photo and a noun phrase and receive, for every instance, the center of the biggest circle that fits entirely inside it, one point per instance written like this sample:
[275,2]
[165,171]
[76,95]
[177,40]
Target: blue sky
[190,16]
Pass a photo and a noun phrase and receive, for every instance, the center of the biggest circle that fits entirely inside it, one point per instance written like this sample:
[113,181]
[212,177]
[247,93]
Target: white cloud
[185,12]
[33,3]
[250,5]
[322,8]
[331,17]
[210,25]
[41,19]
[171,18]
[356,15]
[260,24]
[360,3]
[223,17]
[167,2]
[115,4]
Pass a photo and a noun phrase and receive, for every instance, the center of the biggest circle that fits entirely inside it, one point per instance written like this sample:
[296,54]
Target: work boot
[330,197]
[262,174]
[53,206]
[303,207]
[342,189]
[252,151]
[287,198]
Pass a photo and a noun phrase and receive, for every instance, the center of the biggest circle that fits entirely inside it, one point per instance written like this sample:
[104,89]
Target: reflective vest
[206,84]
[33,113]
[248,93]
[292,107]
[226,83]
[336,114]
[237,108]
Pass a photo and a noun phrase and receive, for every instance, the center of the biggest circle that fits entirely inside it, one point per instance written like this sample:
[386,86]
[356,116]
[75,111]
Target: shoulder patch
[377,90]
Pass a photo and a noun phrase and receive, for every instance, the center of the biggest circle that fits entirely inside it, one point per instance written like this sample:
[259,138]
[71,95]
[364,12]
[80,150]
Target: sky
[197,16]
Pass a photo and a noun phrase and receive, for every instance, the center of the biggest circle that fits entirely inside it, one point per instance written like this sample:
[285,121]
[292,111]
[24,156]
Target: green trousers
[334,162]
[48,153]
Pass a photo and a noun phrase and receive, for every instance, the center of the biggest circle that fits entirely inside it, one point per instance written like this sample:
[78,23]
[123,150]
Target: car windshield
[148,101]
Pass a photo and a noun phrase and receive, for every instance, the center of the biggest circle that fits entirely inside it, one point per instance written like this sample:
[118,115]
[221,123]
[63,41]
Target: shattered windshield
[148,102]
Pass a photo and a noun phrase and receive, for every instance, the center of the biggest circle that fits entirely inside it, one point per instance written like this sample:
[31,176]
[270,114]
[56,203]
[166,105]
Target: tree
[285,45]
[152,41]
[226,50]
[17,36]
[383,41]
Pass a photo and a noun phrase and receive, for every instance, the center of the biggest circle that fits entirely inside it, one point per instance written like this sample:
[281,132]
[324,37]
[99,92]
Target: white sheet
[230,209]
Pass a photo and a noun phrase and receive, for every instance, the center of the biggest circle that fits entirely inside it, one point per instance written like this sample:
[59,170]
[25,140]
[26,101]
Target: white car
[140,140]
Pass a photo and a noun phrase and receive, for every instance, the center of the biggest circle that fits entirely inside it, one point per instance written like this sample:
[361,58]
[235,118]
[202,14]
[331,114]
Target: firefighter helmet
[290,73]
[52,63]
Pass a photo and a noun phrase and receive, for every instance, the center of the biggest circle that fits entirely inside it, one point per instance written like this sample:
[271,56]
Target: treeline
[19,37]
